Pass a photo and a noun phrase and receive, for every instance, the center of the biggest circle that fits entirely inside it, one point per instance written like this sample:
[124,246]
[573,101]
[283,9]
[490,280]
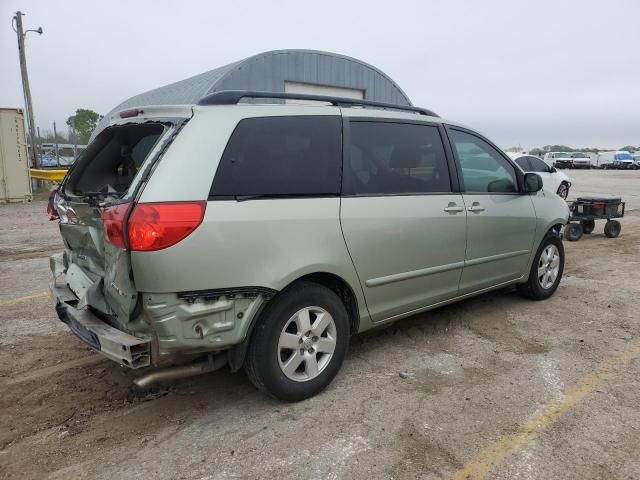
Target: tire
[546,270]
[573,232]
[563,190]
[281,325]
[587,226]
[612,228]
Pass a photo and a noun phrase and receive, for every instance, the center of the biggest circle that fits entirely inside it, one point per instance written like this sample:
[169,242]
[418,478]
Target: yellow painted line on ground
[494,454]
[13,301]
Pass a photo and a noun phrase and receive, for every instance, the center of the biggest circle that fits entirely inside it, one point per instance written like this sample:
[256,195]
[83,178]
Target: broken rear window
[113,159]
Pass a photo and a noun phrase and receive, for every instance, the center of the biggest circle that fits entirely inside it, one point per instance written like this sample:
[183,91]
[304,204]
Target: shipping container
[15,182]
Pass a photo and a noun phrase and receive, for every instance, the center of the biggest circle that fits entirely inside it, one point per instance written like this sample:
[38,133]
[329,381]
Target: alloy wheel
[306,344]
[548,266]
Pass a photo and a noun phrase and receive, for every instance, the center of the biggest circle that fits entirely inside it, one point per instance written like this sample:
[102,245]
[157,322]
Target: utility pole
[55,139]
[25,85]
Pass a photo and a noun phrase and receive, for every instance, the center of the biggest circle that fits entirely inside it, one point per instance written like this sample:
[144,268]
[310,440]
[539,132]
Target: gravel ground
[494,385]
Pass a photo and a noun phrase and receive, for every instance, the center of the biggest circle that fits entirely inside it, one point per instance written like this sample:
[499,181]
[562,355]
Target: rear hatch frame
[101,276]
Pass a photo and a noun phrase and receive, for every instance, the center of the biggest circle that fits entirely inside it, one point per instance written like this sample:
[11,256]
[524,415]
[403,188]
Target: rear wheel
[587,226]
[300,342]
[612,228]
[563,190]
[573,231]
[546,270]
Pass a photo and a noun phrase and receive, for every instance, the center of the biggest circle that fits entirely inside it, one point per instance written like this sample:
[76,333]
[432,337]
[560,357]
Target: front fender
[552,212]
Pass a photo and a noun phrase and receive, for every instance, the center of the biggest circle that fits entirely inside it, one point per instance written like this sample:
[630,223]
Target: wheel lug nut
[315,339]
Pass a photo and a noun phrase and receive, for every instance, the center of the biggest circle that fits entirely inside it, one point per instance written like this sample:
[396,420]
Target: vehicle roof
[253,109]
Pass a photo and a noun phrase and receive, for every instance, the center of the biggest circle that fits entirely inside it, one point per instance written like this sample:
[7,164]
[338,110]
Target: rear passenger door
[402,217]
[501,221]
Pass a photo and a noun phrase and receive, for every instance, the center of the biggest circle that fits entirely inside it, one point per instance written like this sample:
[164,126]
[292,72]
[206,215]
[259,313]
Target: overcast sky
[529,73]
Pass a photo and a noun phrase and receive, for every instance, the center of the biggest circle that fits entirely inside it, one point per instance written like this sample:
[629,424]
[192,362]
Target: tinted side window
[484,169]
[282,156]
[523,163]
[538,165]
[395,158]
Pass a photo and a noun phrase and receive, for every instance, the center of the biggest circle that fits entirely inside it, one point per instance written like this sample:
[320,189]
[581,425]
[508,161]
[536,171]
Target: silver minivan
[263,235]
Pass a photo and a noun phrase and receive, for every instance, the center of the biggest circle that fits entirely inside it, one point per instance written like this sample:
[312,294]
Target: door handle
[475,207]
[453,208]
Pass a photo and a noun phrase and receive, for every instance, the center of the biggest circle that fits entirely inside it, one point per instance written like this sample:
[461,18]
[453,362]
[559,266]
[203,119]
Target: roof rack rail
[233,97]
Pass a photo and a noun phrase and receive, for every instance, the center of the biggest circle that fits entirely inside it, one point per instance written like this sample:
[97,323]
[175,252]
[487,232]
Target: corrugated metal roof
[267,72]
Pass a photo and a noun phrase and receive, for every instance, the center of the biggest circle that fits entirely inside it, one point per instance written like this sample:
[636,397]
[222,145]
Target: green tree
[557,148]
[628,148]
[538,152]
[84,122]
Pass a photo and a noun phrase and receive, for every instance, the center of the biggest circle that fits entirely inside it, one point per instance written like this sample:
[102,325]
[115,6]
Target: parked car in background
[580,160]
[245,234]
[636,159]
[552,179]
[559,159]
[618,159]
[66,154]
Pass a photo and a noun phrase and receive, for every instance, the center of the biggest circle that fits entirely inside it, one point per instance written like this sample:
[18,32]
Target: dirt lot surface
[494,386]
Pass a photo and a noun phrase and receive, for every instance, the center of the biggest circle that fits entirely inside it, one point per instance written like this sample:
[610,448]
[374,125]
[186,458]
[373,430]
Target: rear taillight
[154,226]
[51,208]
[113,222]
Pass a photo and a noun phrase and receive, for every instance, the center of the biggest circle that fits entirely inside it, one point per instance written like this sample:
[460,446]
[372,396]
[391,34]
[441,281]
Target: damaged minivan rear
[93,286]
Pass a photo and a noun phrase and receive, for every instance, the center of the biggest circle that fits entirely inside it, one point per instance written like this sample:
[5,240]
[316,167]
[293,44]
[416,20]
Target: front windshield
[623,156]
[579,155]
[562,155]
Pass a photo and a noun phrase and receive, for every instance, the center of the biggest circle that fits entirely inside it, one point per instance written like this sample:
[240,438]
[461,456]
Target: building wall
[269,72]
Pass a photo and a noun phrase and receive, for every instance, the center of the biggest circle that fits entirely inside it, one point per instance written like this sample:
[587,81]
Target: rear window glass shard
[281,156]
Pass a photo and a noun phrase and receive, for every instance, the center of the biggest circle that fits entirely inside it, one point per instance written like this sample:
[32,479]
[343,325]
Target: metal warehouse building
[291,71]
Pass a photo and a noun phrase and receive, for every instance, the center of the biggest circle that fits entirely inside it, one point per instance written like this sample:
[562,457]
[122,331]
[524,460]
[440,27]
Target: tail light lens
[113,223]
[51,208]
[154,226]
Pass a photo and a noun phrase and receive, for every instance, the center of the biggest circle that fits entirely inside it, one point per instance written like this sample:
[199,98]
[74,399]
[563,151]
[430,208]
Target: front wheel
[546,270]
[563,190]
[299,343]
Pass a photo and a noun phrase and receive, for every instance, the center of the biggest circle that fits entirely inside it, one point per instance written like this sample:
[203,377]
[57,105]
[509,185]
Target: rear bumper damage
[165,328]
[129,350]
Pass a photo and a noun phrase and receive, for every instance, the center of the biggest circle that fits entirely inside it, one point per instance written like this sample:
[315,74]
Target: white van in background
[558,159]
[580,160]
[615,159]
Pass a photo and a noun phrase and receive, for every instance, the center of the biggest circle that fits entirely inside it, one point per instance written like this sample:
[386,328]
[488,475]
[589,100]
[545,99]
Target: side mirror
[552,170]
[532,182]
